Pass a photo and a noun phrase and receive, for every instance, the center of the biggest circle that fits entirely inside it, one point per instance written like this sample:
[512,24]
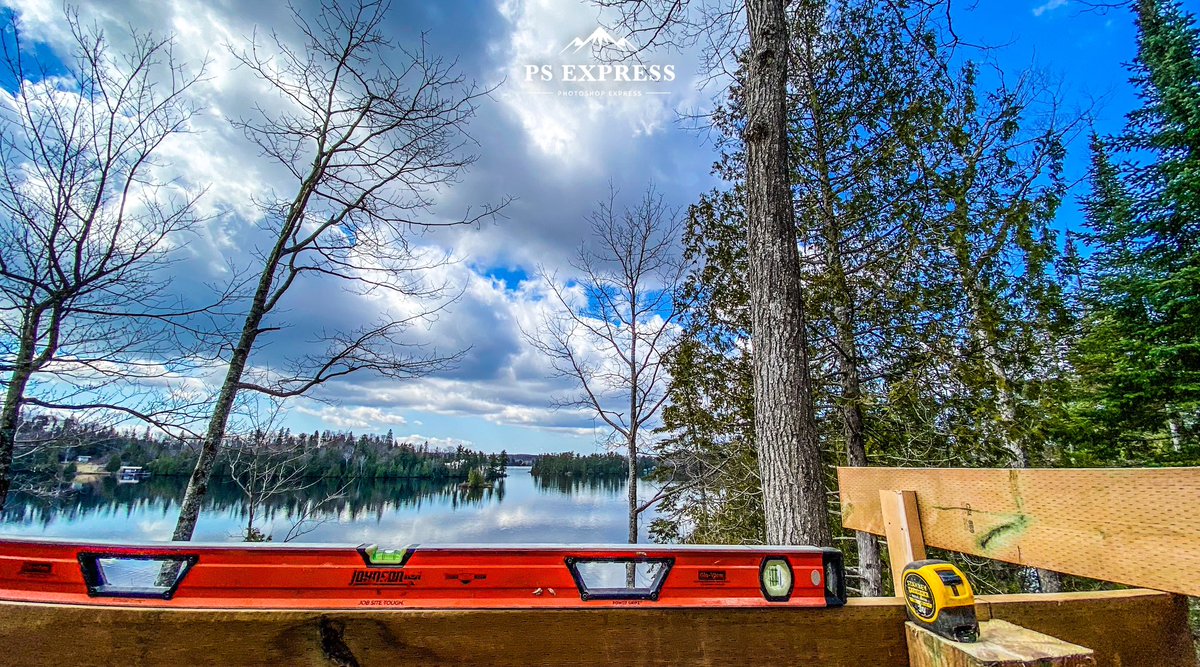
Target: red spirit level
[241,576]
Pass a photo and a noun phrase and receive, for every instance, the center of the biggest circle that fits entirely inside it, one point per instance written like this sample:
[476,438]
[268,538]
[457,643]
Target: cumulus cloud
[357,416]
[555,155]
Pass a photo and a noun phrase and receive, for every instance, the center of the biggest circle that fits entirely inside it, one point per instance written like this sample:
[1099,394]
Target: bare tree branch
[88,227]
[369,131]
[612,327]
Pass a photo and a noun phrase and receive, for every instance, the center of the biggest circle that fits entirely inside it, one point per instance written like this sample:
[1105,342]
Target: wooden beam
[1125,628]
[1111,623]
[1001,644]
[1139,527]
[902,526]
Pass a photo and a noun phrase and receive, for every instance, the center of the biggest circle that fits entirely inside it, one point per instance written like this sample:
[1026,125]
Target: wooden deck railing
[1136,527]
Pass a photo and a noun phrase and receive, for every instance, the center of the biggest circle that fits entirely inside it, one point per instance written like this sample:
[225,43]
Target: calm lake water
[521,508]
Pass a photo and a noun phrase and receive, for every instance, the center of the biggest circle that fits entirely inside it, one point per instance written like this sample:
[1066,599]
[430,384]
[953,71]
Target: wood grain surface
[1001,644]
[1139,527]
[902,526]
[1125,628]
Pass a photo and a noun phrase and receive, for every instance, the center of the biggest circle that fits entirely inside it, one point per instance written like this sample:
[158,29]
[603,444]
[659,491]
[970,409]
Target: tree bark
[24,365]
[10,417]
[633,477]
[214,437]
[789,456]
[197,488]
[633,412]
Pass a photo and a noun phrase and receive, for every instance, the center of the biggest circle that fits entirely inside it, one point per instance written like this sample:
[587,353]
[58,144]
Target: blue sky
[556,152]
[1081,49]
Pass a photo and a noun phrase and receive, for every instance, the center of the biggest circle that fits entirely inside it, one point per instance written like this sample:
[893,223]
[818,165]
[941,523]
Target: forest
[327,454]
[583,466]
[951,320]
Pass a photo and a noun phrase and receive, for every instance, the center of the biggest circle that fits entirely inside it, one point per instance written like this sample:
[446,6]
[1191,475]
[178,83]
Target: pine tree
[1141,348]
[866,95]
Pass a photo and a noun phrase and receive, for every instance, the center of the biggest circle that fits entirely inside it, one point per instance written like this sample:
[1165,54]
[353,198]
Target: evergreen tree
[996,187]
[866,81]
[708,461]
[1140,352]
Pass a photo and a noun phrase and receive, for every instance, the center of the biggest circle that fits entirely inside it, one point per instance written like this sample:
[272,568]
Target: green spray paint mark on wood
[1004,534]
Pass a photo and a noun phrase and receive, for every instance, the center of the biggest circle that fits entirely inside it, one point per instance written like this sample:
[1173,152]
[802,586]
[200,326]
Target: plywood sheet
[1139,527]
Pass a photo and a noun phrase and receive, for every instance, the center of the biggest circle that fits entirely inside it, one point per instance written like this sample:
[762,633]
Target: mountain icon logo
[602,39]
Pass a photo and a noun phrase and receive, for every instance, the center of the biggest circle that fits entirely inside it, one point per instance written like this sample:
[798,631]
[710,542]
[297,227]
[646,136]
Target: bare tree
[88,226]
[365,141]
[266,463]
[616,321]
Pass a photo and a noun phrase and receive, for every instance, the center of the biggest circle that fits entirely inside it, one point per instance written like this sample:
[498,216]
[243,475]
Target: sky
[555,147]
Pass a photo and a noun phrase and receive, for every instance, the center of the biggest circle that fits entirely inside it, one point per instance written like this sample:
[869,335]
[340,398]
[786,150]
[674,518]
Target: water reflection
[572,485]
[520,508]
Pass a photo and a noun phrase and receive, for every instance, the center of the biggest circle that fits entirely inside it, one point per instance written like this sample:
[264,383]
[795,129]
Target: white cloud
[1049,6]
[555,155]
[358,416]
[575,125]
[417,439]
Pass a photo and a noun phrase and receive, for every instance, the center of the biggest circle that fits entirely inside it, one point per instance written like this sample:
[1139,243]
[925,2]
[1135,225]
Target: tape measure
[940,599]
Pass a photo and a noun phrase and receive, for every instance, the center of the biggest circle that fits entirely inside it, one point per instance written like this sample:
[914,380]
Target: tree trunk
[250,518]
[633,494]
[197,488]
[870,562]
[10,414]
[633,416]
[10,418]
[789,456]
[631,568]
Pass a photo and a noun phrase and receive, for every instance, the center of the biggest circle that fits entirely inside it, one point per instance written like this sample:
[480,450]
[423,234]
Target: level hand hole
[619,578]
[134,576]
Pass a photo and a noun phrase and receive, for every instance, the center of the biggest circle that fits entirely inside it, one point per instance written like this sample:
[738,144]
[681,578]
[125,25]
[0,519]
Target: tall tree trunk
[10,415]
[10,418]
[870,562]
[631,568]
[789,455]
[633,419]
[633,493]
[214,436]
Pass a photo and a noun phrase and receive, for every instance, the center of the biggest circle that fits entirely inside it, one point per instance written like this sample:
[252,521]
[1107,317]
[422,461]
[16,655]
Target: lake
[521,508]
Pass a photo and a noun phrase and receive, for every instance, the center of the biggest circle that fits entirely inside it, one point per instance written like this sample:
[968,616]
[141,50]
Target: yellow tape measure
[939,598]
